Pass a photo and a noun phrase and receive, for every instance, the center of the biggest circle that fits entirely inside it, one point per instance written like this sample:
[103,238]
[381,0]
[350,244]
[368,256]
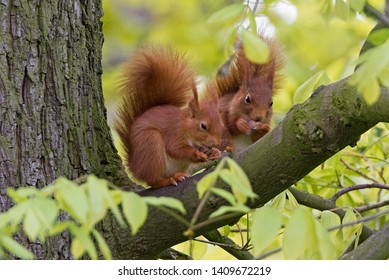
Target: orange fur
[162,124]
[246,97]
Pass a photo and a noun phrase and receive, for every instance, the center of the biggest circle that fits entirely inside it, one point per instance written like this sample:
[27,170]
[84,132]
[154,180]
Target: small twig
[370,10]
[228,245]
[232,246]
[363,220]
[255,7]
[357,187]
[272,252]
[214,220]
[358,172]
[241,235]
[239,230]
[371,206]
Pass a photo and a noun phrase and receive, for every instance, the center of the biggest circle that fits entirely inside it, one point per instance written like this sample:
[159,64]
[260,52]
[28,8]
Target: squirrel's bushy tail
[154,75]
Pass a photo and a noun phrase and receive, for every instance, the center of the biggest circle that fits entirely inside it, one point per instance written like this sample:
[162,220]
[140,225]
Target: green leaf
[379,36]
[296,235]
[325,247]
[329,219]
[239,173]
[108,197]
[265,228]
[41,214]
[253,23]
[384,79]
[327,8]
[22,193]
[341,9]
[349,231]
[14,215]
[374,64]
[102,245]
[225,230]
[97,206]
[279,201]
[307,88]
[357,5]
[206,183]
[82,242]
[135,210]
[226,14]
[73,199]
[255,47]
[371,93]
[238,208]
[60,227]
[292,202]
[225,194]
[165,201]
[15,248]
[239,189]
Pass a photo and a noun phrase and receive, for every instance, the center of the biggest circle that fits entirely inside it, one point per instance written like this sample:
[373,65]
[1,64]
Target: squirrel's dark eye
[247,100]
[204,126]
[271,103]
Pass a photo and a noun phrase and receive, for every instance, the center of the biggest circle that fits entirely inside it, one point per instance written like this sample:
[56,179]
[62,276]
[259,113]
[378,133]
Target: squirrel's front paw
[261,127]
[200,156]
[214,154]
[243,126]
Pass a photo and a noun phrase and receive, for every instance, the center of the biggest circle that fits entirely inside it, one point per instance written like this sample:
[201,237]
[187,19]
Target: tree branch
[358,187]
[332,118]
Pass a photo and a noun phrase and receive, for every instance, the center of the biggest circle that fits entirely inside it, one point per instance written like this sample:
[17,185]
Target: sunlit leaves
[351,231]
[266,225]
[233,175]
[135,210]
[12,246]
[87,204]
[373,68]
[72,199]
[306,238]
[306,89]
[226,14]
[357,5]
[379,36]
[255,48]
[165,201]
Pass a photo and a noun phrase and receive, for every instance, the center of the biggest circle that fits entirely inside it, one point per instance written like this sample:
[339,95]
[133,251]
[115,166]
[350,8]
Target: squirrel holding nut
[246,91]
[163,125]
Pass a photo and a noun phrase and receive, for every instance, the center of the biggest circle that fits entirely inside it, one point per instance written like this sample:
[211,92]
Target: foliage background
[319,43]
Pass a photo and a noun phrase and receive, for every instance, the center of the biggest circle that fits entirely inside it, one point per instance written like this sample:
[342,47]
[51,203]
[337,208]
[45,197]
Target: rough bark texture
[52,114]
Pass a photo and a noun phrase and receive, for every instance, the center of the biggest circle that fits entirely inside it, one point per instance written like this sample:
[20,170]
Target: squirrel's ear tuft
[194,107]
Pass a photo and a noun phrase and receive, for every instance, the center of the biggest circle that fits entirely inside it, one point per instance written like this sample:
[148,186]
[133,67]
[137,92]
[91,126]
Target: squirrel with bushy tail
[163,125]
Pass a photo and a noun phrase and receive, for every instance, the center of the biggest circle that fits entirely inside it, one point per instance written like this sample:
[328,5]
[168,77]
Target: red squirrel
[246,94]
[162,124]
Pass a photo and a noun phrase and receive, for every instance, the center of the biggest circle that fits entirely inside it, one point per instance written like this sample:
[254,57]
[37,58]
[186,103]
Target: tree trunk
[52,114]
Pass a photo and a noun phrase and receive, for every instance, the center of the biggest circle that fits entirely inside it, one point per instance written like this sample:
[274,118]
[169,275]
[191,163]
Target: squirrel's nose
[258,119]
